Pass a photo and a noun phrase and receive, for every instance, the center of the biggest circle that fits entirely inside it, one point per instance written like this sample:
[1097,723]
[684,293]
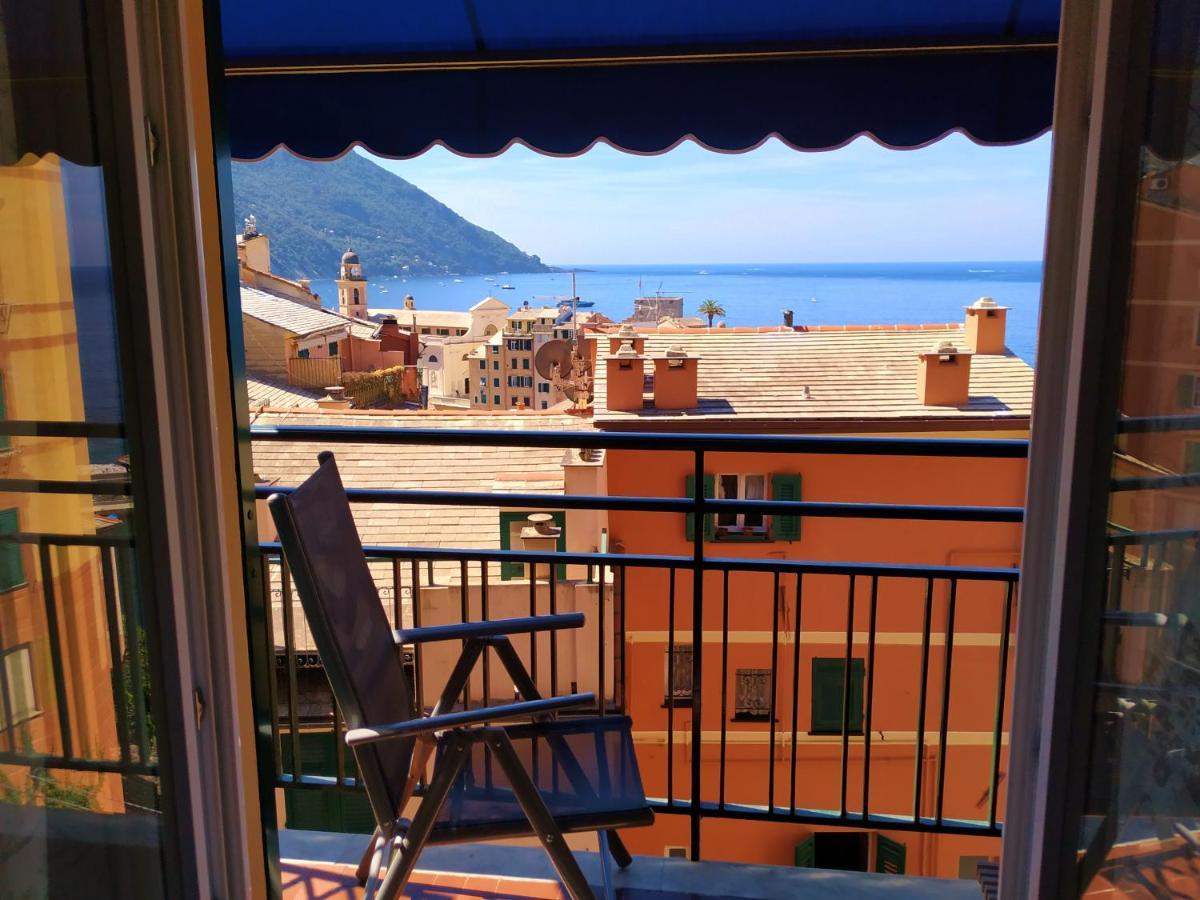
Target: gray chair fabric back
[351,631]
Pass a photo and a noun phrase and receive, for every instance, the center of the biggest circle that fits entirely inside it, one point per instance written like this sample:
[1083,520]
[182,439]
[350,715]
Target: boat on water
[507,287]
[490,279]
[458,281]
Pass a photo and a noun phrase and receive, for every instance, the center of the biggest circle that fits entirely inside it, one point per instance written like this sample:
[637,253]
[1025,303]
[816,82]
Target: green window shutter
[1192,457]
[889,855]
[1185,391]
[12,570]
[827,677]
[806,853]
[785,487]
[710,522]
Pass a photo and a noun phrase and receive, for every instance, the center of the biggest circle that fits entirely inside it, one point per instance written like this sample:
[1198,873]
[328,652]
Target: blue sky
[953,200]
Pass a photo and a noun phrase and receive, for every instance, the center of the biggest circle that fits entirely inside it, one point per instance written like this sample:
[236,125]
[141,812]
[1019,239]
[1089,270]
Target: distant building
[504,371]
[292,342]
[651,309]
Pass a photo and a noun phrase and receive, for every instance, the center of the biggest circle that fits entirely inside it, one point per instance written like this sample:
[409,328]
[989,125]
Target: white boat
[490,278]
[458,281]
[507,287]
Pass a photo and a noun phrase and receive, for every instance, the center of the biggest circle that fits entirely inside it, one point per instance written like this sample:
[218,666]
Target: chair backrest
[323,551]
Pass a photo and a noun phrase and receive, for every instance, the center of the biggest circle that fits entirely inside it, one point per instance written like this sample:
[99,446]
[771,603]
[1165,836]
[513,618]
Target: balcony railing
[787,796]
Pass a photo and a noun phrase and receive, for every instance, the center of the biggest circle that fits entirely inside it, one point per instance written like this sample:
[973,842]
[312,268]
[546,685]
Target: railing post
[698,507]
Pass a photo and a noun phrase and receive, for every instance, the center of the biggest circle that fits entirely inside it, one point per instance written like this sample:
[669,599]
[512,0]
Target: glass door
[1140,832]
[86,794]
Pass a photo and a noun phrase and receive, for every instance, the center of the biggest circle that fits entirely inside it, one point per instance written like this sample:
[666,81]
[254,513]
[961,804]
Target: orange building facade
[774,647]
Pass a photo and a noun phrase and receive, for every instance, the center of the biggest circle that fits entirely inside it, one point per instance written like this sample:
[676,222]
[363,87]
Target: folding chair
[543,777]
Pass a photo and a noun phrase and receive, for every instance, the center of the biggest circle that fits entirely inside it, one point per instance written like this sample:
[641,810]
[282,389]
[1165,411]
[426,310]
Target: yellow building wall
[39,361]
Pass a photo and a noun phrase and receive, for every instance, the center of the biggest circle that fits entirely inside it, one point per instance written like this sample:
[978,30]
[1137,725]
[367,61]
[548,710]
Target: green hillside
[312,211]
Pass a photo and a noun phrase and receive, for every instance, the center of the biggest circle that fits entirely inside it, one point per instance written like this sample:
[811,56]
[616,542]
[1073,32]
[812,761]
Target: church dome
[349,258]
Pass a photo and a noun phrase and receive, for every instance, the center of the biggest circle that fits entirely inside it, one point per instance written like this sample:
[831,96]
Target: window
[828,675]
[5,440]
[444,332]
[514,363]
[741,487]
[677,677]
[495,348]
[12,569]
[1187,391]
[333,348]
[746,526]
[544,387]
[1191,457]
[495,382]
[424,331]
[22,699]
[496,364]
[511,524]
[356,295]
[303,354]
[525,363]
[483,364]
[545,404]
[752,695]
[496,400]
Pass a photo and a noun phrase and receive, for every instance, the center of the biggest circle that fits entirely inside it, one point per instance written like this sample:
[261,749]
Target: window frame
[743,709]
[35,709]
[673,695]
[739,529]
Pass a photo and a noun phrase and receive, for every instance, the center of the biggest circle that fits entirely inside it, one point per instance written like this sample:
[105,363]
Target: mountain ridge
[313,211]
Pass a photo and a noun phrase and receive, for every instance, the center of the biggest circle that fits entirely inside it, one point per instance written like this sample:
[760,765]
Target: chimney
[985,326]
[626,333]
[390,335]
[944,376]
[335,398]
[675,377]
[625,379]
[541,534]
[787,318]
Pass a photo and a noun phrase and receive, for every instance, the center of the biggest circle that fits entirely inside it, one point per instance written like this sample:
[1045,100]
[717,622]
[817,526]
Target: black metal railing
[876,581]
[124,644]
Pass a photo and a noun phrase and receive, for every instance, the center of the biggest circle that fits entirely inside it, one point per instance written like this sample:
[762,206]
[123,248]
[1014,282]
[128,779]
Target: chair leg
[606,869]
[539,816]
[620,854]
[382,856]
[362,873]
[412,842]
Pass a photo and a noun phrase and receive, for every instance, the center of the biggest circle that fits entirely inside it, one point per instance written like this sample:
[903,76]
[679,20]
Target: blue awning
[477,75]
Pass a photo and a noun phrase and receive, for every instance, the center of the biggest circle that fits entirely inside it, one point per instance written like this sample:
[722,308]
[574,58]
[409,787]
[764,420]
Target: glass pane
[727,486]
[1143,807]
[754,491]
[80,795]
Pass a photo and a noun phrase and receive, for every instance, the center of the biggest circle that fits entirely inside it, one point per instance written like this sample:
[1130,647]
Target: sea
[817,293]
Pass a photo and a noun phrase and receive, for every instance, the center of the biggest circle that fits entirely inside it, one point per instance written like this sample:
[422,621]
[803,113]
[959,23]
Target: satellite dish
[552,352]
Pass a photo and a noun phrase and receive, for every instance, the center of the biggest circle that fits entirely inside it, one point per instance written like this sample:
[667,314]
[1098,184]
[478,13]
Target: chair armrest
[494,628]
[503,713]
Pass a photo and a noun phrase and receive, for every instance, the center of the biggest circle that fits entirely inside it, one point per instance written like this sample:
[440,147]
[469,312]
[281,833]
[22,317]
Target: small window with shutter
[828,680]
[752,695]
[678,676]
[1187,391]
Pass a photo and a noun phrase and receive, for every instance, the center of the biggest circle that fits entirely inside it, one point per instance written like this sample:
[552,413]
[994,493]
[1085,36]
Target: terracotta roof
[290,315]
[853,373]
[426,318]
[545,312]
[264,392]
[483,468]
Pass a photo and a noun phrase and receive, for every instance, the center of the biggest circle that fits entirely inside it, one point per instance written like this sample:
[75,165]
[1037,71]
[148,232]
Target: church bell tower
[352,287]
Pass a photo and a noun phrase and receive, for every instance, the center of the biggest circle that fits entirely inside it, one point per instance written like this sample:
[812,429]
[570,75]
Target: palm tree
[712,309]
